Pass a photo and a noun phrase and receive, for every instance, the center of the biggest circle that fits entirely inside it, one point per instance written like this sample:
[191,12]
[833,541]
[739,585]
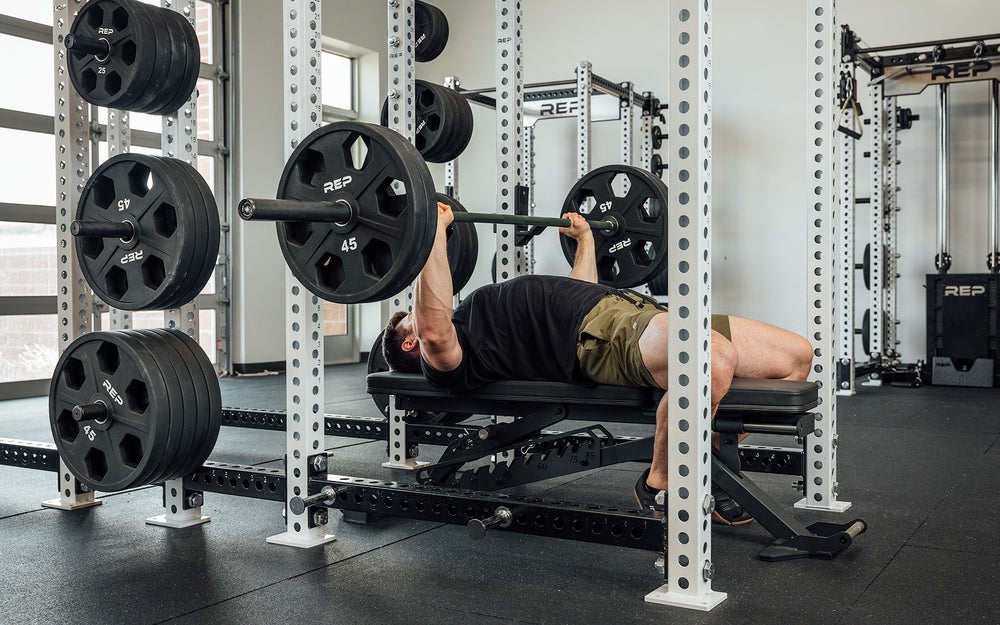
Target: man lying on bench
[574,329]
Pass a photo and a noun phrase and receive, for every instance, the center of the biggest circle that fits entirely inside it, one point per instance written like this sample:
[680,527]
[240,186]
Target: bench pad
[747,395]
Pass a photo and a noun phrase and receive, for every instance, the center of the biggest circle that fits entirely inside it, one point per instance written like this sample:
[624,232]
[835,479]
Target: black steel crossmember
[348,426]
[553,456]
[555,519]
[29,454]
[239,480]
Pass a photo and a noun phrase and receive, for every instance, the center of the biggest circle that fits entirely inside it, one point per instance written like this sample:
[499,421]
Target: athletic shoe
[727,511]
[648,497]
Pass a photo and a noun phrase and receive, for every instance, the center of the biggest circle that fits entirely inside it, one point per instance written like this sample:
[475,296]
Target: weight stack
[962,329]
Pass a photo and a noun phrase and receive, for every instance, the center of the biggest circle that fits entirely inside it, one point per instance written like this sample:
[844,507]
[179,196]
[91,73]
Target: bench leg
[794,540]
[402,455]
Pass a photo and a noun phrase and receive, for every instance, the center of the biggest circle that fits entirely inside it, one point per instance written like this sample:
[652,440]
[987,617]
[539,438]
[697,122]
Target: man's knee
[801,354]
[724,361]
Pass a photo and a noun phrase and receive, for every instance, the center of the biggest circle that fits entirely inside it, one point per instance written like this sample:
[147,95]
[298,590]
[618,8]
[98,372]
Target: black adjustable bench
[750,406]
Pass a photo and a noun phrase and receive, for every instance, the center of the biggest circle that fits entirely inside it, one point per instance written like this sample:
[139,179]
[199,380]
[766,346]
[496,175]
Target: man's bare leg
[768,352]
[653,348]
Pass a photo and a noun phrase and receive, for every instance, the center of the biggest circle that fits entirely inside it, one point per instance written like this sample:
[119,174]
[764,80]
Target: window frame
[352,53]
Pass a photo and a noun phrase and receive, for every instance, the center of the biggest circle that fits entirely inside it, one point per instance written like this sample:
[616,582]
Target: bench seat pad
[745,394]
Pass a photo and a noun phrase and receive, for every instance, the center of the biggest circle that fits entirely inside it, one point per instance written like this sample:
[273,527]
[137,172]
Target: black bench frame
[766,406]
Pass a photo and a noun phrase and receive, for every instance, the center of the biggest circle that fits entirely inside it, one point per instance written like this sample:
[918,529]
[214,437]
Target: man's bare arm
[432,308]
[585,261]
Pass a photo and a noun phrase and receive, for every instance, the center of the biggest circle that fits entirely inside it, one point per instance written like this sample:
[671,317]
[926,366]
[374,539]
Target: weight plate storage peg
[387,234]
[147,232]
[127,409]
[633,251]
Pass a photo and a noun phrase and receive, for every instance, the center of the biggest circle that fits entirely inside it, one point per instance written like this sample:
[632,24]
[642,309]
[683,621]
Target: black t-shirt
[521,329]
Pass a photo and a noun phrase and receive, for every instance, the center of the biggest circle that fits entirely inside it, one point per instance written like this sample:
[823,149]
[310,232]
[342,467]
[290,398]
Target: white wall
[759,228]
[258,158]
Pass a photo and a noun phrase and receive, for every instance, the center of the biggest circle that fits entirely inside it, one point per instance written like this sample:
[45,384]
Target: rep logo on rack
[970,69]
[964,290]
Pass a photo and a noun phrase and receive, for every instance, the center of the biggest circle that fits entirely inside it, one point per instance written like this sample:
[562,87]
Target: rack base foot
[162,521]
[289,539]
[837,506]
[59,505]
[682,600]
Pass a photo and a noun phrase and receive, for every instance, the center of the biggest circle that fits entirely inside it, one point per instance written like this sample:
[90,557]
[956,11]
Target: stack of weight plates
[149,61]
[443,121]
[175,221]
[160,407]
[430,32]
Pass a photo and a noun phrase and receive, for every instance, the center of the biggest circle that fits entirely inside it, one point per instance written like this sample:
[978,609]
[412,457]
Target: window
[28,287]
[339,80]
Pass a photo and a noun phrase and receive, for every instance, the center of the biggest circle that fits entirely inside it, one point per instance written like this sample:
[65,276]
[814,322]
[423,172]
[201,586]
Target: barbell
[356,215]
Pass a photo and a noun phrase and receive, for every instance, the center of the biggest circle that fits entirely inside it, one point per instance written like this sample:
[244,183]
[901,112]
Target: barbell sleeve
[100,48]
[253,209]
[104,229]
[97,411]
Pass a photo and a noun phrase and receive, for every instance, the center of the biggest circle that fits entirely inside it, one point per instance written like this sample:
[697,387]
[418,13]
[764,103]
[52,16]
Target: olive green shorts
[607,345]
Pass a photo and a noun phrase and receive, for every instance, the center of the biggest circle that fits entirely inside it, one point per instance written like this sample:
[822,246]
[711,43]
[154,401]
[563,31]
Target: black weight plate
[388,238]
[429,118]
[866,266]
[213,228]
[463,245]
[118,80]
[206,213]
[190,63]
[415,162]
[161,43]
[866,332]
[178,62]
[430,32]
[659,285]
[635,252]
[656,166]
[459,125]
[190,210]
[126,449]
[182,401]
[657,137]
[456,126]
[443,121]
[186,423]
[141,273]
[377,364]
[211,411]
[198,418]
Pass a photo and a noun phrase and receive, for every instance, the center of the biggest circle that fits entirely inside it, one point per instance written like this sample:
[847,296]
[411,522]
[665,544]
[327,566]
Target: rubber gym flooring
[921,465]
